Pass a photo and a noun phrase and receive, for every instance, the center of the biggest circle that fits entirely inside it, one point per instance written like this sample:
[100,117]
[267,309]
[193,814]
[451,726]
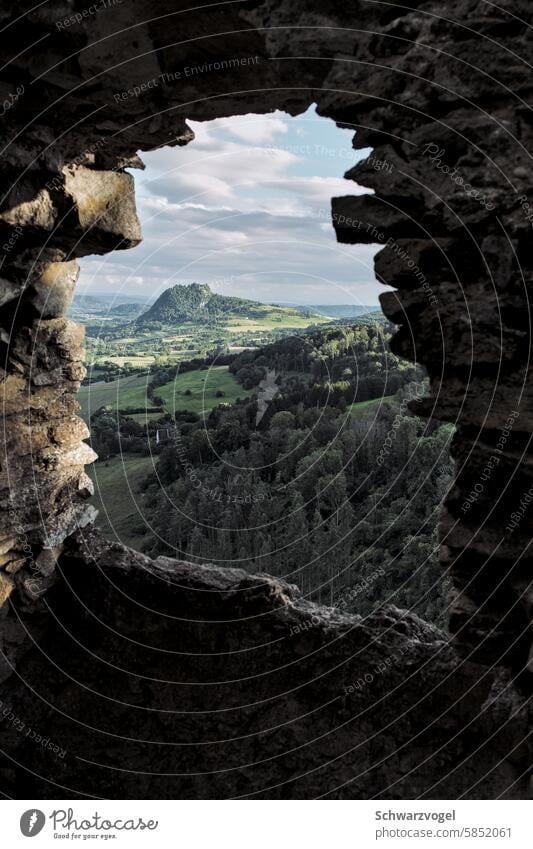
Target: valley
[264,453]
[184,322]
[197,391]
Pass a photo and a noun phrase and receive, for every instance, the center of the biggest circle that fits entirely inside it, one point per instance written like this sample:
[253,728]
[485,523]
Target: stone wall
[442,101]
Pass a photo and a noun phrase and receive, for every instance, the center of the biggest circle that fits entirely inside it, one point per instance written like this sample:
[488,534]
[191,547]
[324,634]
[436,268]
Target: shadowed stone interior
[167,679]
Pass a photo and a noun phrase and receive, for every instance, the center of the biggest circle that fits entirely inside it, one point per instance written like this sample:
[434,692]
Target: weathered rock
[46,560]
[104,211]
[28,206]
[6,587]
[151,646]
[54,289]
[207,666]
[14,566]
[9,291]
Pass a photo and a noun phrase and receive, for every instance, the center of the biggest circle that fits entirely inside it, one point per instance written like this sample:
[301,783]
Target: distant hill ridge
[129,310]
[345,310]
[338,310]
[196,302]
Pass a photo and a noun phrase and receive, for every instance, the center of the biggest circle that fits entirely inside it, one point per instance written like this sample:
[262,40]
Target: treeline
[309,493]
[114,433]
[306,499]
[334,366]
[164,374]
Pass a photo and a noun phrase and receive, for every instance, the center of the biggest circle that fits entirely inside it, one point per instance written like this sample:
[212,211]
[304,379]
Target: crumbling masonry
[165,679]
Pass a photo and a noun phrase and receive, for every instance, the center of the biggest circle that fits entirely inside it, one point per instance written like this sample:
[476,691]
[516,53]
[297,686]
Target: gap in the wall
[275,438]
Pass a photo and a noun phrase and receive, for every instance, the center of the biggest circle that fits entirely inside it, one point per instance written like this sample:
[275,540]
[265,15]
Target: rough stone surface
[209,682]
[443,101]
[54,289]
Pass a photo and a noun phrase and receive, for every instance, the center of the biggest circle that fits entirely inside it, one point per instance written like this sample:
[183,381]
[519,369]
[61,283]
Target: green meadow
[363,406]
[117,495]
[195,391]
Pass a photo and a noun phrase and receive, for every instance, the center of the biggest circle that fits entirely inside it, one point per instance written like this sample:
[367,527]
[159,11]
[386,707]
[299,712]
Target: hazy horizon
[128,296]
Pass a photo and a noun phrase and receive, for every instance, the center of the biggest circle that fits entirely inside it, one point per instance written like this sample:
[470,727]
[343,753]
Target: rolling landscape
[125,345]
[280,413]
[184,321]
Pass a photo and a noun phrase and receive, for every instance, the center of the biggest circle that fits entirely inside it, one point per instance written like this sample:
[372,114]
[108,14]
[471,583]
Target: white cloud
[256,129]
[225,208]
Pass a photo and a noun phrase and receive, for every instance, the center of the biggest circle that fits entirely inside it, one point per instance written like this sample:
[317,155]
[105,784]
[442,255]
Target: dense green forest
[322,475]
[345,361]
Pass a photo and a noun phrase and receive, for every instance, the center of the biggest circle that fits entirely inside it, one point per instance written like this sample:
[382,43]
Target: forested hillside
[196,302]
[349,361]
[322,476]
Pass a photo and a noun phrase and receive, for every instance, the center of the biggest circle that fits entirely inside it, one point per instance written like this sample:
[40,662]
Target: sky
[245,208]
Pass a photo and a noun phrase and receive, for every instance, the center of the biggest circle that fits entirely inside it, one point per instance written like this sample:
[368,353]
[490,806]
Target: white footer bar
[267,824]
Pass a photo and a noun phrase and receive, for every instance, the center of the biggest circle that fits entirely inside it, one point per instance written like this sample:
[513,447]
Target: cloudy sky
[245,207]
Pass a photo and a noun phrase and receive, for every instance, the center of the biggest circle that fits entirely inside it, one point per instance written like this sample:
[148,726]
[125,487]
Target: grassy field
[140,361]
[131,392]
[182,341]
[362,406]
[273,319]
[202,386]
[142,418]
[116,485]
[124,392]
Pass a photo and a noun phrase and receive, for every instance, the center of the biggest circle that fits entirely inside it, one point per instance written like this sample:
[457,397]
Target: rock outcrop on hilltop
[163,678]
[193,302]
